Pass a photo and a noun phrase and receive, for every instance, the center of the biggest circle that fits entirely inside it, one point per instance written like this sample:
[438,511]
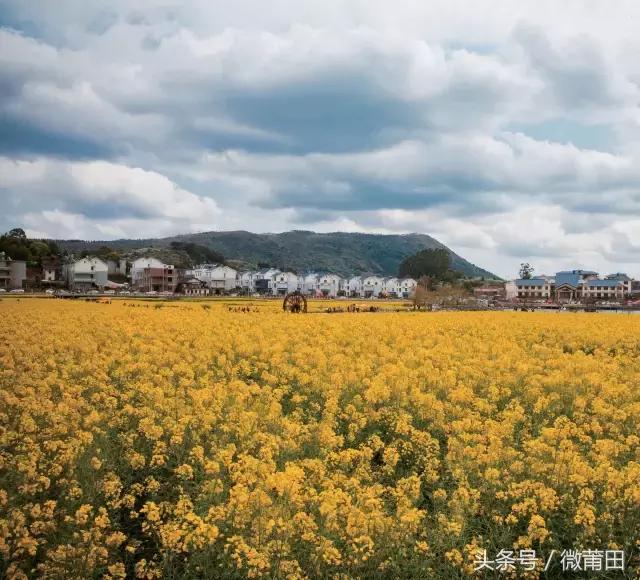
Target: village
[149,276]
[152,277]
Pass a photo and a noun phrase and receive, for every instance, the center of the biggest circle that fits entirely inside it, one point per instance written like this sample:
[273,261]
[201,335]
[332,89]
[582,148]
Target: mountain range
[338,252]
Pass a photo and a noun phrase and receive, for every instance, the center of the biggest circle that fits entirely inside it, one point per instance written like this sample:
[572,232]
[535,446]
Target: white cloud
[360,116]
[117,200]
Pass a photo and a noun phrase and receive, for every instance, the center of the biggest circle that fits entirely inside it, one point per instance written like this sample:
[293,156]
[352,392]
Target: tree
[198,253]
[431,262]
[450,294]
[422,291]
[54,249]
[419,297]
[17,246]
[38,249]
[107,253]
[526,271]
[427,282]
[17,233]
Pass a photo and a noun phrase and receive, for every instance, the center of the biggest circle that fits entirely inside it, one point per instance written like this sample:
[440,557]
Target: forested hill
[338,252]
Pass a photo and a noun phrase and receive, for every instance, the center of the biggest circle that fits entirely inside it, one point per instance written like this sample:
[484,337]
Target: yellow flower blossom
[201,442]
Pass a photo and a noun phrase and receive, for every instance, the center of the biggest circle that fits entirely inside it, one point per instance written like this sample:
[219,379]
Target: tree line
[17,246]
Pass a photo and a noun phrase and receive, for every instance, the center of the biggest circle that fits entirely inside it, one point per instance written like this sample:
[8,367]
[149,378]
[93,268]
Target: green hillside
[338,252]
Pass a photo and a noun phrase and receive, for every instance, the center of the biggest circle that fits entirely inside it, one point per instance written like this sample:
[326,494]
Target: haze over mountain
[338,252]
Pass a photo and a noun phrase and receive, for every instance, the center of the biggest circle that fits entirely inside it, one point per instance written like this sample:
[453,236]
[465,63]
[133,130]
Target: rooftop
[578,272]
[568,279]
[530,282]
[609,283]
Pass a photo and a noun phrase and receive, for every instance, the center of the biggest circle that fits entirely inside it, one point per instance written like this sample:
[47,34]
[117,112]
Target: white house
[538,288]
[354,286]
[85,274]
[625,281]
[607,289]
[511,290]
[246,281]
[372,286]
[52,270]
[399,287]
[406,286]
[263,281]
[13,273]
[329,285]
[49,274]
[391,287]
[284,282]
[223,279]
[218,277]
[195,287]
[309,284]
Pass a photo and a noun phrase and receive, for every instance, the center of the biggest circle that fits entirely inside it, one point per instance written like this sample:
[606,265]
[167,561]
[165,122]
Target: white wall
[86,272]
[372,285]
[329,285]
[284,282]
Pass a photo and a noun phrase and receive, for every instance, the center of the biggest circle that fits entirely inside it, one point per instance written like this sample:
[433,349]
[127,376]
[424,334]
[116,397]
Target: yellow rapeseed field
[186,441]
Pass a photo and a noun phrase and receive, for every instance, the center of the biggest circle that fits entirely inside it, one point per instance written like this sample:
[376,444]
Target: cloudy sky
[508,130]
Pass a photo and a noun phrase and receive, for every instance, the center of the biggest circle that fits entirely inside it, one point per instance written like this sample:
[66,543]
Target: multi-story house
[263,280]
[223,279]
[354,286]
[571,286]
[284,283]
[194,287]
[245,281]
[85,274]
[372,286]
[329,285]
[13,273]
[511,290]
[607,289]
[406,287]
[391,287]
[626,281]
[218,277]
[538,288]
[309,284]
[52,271]
[153,275]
